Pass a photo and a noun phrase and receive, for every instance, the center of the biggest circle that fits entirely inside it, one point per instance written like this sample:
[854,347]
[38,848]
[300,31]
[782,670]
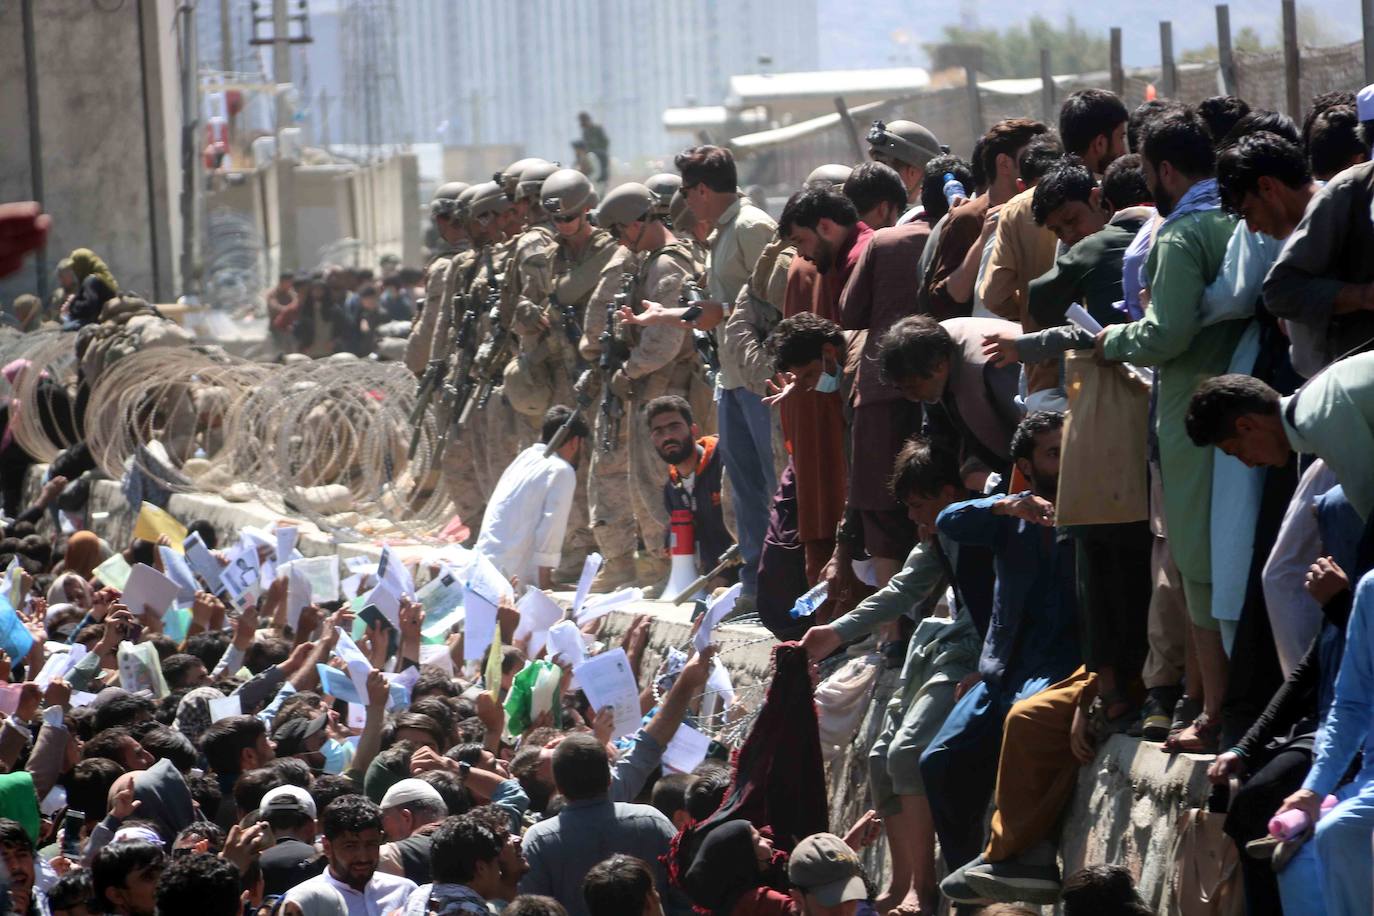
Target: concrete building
[520,72]
[101,146]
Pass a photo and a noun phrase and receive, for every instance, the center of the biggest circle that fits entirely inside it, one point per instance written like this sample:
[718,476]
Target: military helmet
[566,192]
[532,179]
[450,190]
[445,202]
[629,202]
[508,176]
[832,175]
[488,199]
[905,141]
[664,185]
[681,216]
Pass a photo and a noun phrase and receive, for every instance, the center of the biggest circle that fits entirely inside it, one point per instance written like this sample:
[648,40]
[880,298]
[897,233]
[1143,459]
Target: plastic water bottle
[953,188]
[806,605]
[1293,823]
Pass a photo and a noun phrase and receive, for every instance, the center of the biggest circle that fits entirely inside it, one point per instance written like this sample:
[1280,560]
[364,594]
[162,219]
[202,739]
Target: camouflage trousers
[626,486]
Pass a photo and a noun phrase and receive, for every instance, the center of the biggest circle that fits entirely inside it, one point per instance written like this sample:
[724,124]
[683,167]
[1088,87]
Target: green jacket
[1185,258]
[1089,273]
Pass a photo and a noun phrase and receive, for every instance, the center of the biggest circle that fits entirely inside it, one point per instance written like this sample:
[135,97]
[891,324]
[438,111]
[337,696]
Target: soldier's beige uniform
[627,482]
[495,433]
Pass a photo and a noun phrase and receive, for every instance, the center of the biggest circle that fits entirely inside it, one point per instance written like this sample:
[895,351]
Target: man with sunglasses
[905,146]
[661,360]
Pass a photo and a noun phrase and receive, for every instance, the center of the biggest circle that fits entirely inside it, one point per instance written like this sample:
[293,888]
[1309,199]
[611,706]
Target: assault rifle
[704,341]
[613,356]
[490,364]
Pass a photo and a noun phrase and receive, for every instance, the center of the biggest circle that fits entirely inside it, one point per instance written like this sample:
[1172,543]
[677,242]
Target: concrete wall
[107,91]
[381,209]
[475,164]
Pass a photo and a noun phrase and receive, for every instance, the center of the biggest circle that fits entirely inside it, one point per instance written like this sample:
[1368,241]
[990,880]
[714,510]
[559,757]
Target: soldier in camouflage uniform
[627,477]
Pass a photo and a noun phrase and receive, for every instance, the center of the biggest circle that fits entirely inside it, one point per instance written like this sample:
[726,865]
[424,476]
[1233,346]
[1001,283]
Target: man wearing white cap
[825,875]
[290,812]
[411,809]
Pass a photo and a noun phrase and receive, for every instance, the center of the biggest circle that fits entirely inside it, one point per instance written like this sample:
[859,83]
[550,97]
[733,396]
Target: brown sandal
[1202,737]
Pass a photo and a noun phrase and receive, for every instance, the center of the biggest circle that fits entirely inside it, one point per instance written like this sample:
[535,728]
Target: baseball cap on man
[825,867]
[287,800]
[290,736]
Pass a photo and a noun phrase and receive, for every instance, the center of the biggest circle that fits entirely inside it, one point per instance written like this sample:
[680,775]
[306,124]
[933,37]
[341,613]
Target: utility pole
[281,61]
[226,39]
[190,162]
[323,106]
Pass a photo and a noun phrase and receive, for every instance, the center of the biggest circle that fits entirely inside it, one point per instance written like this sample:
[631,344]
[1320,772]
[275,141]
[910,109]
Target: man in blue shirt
[1032,640]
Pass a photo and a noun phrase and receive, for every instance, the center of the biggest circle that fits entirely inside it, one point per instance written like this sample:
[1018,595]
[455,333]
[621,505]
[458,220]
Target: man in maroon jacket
[881,291]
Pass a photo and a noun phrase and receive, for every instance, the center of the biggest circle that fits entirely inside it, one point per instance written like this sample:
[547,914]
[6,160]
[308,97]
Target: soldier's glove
[622,385]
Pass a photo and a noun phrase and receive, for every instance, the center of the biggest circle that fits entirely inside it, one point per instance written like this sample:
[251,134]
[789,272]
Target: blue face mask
[337,755]
[827,383]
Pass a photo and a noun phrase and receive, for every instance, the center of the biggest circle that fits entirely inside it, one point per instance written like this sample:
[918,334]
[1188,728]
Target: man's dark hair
[807,208]
[206,531]
[933,184]
[922,468]
[350,814]
[670,793]
[581,769]
[1322,102]
[73,890]
[1241,166]
[169,744]
[177,668]
[208,647]
[1042,154]
[534,905]
[434,681]
[205,791]
[668,403]
[124,710]
[554,419]
[440,712]
[1180,138]
[799,340]
[1220,113]
[266,652]
[1069,181]
[1143,114]
[707,790]
[190,884]
[329,787]
[619,886]
[108,744]
[1219,401]
[251,786]
[457,845]
[1275,122]
[14,836]
[224,740]
[1334,140]
[914,346]
[713,166]
[1006,138]
[457,799]
[422,722]
[1124,184]
[1033,424]
[1088,114]
[88,785]
[524,767]
[1098,890]
[114,863]
[872,183]
[293,771]
[976,166]
[195,832]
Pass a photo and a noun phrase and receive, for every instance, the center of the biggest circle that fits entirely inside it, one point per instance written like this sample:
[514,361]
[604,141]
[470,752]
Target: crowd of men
[897,373]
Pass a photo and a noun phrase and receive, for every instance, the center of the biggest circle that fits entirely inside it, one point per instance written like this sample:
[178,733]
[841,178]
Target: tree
[1016,51]
[1246,40]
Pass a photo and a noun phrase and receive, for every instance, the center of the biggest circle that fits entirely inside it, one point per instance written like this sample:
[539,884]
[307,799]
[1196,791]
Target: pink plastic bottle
[1293,823]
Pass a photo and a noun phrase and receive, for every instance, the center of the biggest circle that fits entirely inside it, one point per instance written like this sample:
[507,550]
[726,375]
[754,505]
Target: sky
[885,33]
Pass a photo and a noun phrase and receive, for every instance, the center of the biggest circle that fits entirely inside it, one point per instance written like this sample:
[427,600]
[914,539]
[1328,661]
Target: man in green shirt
[1179,161]
[1332,417]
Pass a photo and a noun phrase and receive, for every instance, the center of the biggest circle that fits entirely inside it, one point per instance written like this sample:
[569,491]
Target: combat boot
[654,572]
[615,573]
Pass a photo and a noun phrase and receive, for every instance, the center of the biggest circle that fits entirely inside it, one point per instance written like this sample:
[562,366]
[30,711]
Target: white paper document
[715,613]
[479,625]
[565,641]
[687,749]
[149,591]
[224,707]
[608,680]
[590,567]
[601,605]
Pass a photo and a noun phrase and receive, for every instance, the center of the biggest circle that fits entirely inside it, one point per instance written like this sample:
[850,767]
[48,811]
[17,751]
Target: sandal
[1204,738]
